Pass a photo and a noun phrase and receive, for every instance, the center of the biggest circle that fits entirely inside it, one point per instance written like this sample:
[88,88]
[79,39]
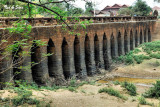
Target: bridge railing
[46,21]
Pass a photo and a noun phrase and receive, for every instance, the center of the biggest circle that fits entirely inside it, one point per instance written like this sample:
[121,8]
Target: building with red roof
[114,9]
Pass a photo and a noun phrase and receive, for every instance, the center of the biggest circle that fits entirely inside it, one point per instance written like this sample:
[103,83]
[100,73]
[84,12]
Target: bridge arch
[88,55]
[131,40]
[141,37]
[105,52]
[149,35]
[145,36]
[65,59]
[96,51]
[77,57]
[52,59]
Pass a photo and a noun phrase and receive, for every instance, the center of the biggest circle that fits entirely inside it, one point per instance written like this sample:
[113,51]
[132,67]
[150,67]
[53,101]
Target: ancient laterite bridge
[83,55]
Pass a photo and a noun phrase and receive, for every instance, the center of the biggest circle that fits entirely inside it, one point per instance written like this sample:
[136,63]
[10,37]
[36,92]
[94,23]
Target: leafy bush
[136,51]
[112,92]
[143,101]
[116,82]
[155,55]
[153,92]
[131,88]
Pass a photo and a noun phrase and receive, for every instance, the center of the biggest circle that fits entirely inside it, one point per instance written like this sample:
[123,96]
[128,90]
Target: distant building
[113,10]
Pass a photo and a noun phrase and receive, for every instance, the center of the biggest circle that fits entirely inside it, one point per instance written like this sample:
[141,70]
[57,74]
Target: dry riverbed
[142,75]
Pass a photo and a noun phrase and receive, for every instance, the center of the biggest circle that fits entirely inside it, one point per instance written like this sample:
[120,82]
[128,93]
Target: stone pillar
[55,69]
[101,52]
[71,60]
[40,69]
[25,72]
[59,76]
[133,39]
[93,67]
[83,72]
[116,46]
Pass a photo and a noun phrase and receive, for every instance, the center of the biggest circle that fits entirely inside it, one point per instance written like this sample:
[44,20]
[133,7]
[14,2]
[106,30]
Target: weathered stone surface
[79,56]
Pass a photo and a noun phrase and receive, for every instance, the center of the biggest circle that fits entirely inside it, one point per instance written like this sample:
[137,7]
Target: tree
[141,8]
[89,7]
[12,49]
[126,11]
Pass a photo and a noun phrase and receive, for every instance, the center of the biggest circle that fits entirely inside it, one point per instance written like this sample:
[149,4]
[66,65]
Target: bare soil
[88,96]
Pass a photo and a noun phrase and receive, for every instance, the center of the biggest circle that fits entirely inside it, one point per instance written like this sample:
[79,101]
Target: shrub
[129,59]
[112,92]
[136,50]
[143,101]
[153,92]
[131,88]
[116,82]
[155,55]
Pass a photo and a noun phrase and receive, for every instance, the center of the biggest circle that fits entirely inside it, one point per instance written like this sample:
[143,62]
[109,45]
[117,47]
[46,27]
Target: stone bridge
[77,55]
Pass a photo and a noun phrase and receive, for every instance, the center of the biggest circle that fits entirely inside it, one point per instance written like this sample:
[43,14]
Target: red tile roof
[156,8]
[115,6]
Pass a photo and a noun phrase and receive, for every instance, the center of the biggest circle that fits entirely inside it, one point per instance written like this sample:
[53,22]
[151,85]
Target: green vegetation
[131,88]
[112,92]
[140,8]
[153,92]
[116,83]
[143,101]
[24,91]
[150,50]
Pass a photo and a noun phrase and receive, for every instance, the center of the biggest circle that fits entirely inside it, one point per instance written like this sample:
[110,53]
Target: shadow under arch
[77,56]
[105,52]
[65,59]
[52,59]
[149,36]
[96,51]
[119,40]
[141,37]
[131,40]
[88,55]
[136,38]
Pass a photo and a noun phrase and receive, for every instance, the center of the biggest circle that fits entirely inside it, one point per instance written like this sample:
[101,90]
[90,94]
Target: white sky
[103,3]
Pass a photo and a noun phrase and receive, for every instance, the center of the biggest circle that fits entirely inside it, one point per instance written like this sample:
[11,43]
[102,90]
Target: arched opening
[136,38]
[149,36]
[112,46]
[52,60]
[77,57]
[131,40]
[65,59]
[125,42]
[96,51]
[36,59]
[141,37]
[17,62]
[105,52]
[145,38]
[119,44]
[88,55]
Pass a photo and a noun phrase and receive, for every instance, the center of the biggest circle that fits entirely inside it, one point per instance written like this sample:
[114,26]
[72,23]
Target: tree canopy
[141,8]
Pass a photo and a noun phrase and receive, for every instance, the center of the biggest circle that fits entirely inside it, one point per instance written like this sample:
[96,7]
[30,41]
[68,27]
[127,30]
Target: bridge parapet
[46,21]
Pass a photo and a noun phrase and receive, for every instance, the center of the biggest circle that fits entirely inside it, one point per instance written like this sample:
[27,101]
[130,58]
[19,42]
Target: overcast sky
[103,3]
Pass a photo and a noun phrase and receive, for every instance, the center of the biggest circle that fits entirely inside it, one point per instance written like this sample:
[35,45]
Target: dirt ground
[88,96]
